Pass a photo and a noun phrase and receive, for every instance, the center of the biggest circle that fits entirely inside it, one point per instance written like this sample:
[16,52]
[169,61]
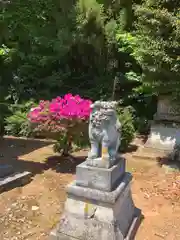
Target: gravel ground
[31,211]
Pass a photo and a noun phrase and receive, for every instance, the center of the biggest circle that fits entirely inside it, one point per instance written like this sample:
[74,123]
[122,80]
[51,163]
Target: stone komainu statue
[104,132]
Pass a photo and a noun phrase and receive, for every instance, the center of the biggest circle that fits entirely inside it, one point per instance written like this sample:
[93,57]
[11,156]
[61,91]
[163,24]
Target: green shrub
[4,112]
[61,143]
[1,124]
[126,119]
[142,125]
[17,123]
[79,140]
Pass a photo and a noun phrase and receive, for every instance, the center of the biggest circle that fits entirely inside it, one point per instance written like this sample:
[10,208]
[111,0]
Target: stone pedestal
[99,205]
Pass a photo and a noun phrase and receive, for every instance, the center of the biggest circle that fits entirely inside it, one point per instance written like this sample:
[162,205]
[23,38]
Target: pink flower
[69,107]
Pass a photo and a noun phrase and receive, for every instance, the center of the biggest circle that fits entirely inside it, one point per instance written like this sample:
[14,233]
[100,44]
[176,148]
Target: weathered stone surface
[101,231]
[117,221]
[100,163]
[98,195]
[167,110]
[163,137]
[100,178]
[80,207]
[74,228]
[5,170]
[104,134]
[13,177]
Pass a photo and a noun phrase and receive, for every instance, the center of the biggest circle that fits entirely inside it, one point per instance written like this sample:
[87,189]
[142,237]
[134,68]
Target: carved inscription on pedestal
[96,179]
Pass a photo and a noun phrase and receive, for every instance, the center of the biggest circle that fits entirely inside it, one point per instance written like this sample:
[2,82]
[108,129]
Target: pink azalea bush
[68,107]
[67,116]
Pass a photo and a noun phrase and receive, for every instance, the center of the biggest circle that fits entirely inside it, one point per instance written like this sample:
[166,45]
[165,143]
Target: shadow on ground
[63,164]
[130,149]
[11,151]
[11,148]
[165,161]
[144,138]
[60,164]
[56,163]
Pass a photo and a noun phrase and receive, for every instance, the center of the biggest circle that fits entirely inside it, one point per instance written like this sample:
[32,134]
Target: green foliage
[142,125]
[1,124]
[58,46]
[158,36]
[78,142]
[17,124]
[61,143]
[125,116]
[50,47]
[4,112]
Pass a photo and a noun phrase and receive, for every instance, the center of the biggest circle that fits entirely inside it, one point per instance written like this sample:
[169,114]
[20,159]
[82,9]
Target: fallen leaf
[34,208]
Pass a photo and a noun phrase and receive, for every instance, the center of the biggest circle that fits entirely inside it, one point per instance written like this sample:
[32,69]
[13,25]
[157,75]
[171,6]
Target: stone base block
[97,217]
[97,195]
[163,137]
[92,230]
[100,178]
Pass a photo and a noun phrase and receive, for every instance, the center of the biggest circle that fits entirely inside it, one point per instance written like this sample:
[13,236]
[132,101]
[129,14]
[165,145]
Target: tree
[65,46]
[158,49]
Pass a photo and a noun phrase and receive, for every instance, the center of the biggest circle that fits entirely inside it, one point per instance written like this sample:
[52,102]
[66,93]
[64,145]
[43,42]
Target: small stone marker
[164,137]
[99,203]
[8,176]
[165,127]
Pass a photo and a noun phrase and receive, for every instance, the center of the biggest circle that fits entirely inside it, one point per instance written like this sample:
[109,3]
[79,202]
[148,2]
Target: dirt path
[30,212]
